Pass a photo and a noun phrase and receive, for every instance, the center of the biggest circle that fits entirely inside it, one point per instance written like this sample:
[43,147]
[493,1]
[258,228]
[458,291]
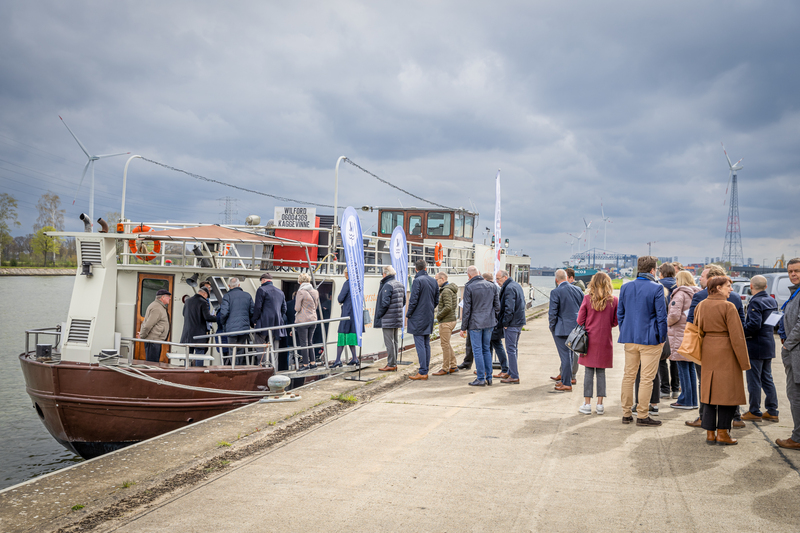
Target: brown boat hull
[93,410]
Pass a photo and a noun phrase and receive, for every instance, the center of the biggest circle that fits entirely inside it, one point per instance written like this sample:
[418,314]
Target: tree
[8,219]
[42,244]
[50,213]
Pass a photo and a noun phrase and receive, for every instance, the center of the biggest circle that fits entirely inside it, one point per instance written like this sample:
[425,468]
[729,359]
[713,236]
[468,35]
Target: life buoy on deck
[225,249]
[144,256]
[438,254]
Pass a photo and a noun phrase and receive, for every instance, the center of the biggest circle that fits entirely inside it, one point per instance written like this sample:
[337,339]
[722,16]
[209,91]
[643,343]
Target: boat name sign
[295,217]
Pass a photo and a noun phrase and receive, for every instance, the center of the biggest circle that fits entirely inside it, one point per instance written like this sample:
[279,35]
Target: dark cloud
[578,101]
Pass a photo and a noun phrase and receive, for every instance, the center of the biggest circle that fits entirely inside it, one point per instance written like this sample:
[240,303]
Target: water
[38,302]
[28,449]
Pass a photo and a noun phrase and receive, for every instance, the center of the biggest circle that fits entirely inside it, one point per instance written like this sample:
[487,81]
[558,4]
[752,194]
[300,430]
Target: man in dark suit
[565,302]
[268,311]
[761,350]
[421,306]
[196,320]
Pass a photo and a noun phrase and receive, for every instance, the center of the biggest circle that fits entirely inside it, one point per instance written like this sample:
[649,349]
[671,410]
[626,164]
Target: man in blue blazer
[642,317]
[565,302]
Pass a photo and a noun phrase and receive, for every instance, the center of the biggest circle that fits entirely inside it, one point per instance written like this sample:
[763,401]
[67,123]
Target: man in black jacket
[511,318]
[389,314]
[421,305]
[196,318]
[761,350]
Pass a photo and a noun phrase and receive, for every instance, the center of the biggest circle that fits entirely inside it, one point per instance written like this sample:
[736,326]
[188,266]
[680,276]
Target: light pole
[336,205]
[125,185]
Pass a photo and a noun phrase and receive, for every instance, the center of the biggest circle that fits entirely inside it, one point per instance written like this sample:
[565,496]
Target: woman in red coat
[598,313]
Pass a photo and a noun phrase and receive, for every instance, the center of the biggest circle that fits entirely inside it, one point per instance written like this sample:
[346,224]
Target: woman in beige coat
[724,357]
[305,304]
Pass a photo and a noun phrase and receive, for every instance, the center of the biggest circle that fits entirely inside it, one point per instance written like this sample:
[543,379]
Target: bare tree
[8,219]
[50,212]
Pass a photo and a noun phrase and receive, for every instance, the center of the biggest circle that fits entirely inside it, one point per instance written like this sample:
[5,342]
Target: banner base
[405,363]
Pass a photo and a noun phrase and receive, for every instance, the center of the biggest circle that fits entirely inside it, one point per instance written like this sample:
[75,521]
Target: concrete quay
[431,455]
[13,271]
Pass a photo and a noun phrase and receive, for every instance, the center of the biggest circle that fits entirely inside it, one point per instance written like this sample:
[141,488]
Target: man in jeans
[511,319]
[479,317]
[642,317]
[421,306]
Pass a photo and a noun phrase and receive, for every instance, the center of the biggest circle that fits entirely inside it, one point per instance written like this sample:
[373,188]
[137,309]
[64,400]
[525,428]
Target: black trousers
[716,417]
[241,360]
[654,396]
[152,352]
[468,358]
[668,375]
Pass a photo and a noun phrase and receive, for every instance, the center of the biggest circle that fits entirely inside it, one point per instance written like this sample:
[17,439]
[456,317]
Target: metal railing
[220,345]
[273,352]
[53,331]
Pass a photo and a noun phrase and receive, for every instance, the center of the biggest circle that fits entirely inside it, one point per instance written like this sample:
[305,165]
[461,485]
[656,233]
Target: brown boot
[711,437]
[723,437]
[696,424]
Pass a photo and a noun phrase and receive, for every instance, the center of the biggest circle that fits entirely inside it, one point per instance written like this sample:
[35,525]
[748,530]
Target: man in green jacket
[447,315]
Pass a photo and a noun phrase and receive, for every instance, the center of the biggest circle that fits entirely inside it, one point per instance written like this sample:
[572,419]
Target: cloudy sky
[574,101]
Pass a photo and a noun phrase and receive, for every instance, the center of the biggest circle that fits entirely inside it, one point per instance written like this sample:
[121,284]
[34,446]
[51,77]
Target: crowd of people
[652,313]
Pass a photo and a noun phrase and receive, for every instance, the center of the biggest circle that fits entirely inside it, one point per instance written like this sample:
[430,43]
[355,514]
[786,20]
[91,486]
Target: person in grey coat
[565,302]
[790,352]
[421,306]
[479,317]
[389,314]
[236,314]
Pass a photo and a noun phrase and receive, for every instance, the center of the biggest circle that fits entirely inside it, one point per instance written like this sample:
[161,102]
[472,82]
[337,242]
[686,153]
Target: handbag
[578,340]
[692,344]
[367,319]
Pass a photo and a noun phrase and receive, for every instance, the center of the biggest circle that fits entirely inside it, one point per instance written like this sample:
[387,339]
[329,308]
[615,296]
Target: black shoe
[627,419]
[352,362]
[647,422]
[489,381]
[303,368]
[464,366]
[337,364]
[478,383]
[653,411]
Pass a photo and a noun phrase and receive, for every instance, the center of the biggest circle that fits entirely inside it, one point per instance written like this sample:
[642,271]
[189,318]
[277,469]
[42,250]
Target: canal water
[31,302]
[28,449]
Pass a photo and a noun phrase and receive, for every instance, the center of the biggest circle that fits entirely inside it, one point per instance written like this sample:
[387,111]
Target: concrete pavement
[439,455]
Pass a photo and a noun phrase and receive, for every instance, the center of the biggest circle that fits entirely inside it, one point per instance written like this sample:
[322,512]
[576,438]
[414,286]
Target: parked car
[742,288]
[778,286]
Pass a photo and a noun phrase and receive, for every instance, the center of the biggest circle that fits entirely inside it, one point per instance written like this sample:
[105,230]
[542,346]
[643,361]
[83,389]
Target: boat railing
[187,357]
[35,333]
[273,351]
[321,258]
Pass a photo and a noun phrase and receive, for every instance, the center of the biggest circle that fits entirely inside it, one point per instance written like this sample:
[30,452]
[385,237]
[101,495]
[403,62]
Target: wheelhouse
[422,224]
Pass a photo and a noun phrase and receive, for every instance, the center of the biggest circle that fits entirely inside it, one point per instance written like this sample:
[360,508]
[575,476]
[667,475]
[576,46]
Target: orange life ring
[438,254]
[225,249]
[141,228]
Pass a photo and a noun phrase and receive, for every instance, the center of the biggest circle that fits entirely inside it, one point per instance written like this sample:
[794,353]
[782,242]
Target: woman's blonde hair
[303,278]
[685,279]
[601,291]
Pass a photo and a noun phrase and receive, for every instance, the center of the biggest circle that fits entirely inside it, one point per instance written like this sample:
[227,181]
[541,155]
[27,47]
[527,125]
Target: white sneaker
[586,409]
[600,409]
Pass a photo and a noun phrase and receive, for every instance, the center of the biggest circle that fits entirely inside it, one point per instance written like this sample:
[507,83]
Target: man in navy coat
[269,310]
[421,306]
[565,302]
[642,317]
[761,349]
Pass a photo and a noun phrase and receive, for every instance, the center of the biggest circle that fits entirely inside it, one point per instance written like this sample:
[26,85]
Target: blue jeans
[688,381]
[481,339]
[496,346]
[422,343]
[565,354]
[760,377]
[512,339]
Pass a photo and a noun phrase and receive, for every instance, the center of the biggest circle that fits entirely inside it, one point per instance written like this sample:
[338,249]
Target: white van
[778,286]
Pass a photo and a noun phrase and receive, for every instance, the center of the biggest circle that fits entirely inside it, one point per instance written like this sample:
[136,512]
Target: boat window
[458,231]
[390,220]
[439,224]
[468,223]
[415,225]
[149,289]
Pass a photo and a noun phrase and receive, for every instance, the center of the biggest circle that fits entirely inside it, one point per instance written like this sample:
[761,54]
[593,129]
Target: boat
[92,388]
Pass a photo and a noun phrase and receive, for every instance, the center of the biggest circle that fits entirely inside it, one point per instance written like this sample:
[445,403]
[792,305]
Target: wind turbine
[89,163]
[571,245]
[578,238]
[733,169]
[605,220]
[588,235]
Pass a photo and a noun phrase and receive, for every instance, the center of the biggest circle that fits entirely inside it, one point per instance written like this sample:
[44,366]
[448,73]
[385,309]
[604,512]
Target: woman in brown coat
[724,357]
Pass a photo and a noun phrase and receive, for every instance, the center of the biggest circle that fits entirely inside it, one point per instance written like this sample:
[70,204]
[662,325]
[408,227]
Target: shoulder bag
[578,340]
[692,345]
